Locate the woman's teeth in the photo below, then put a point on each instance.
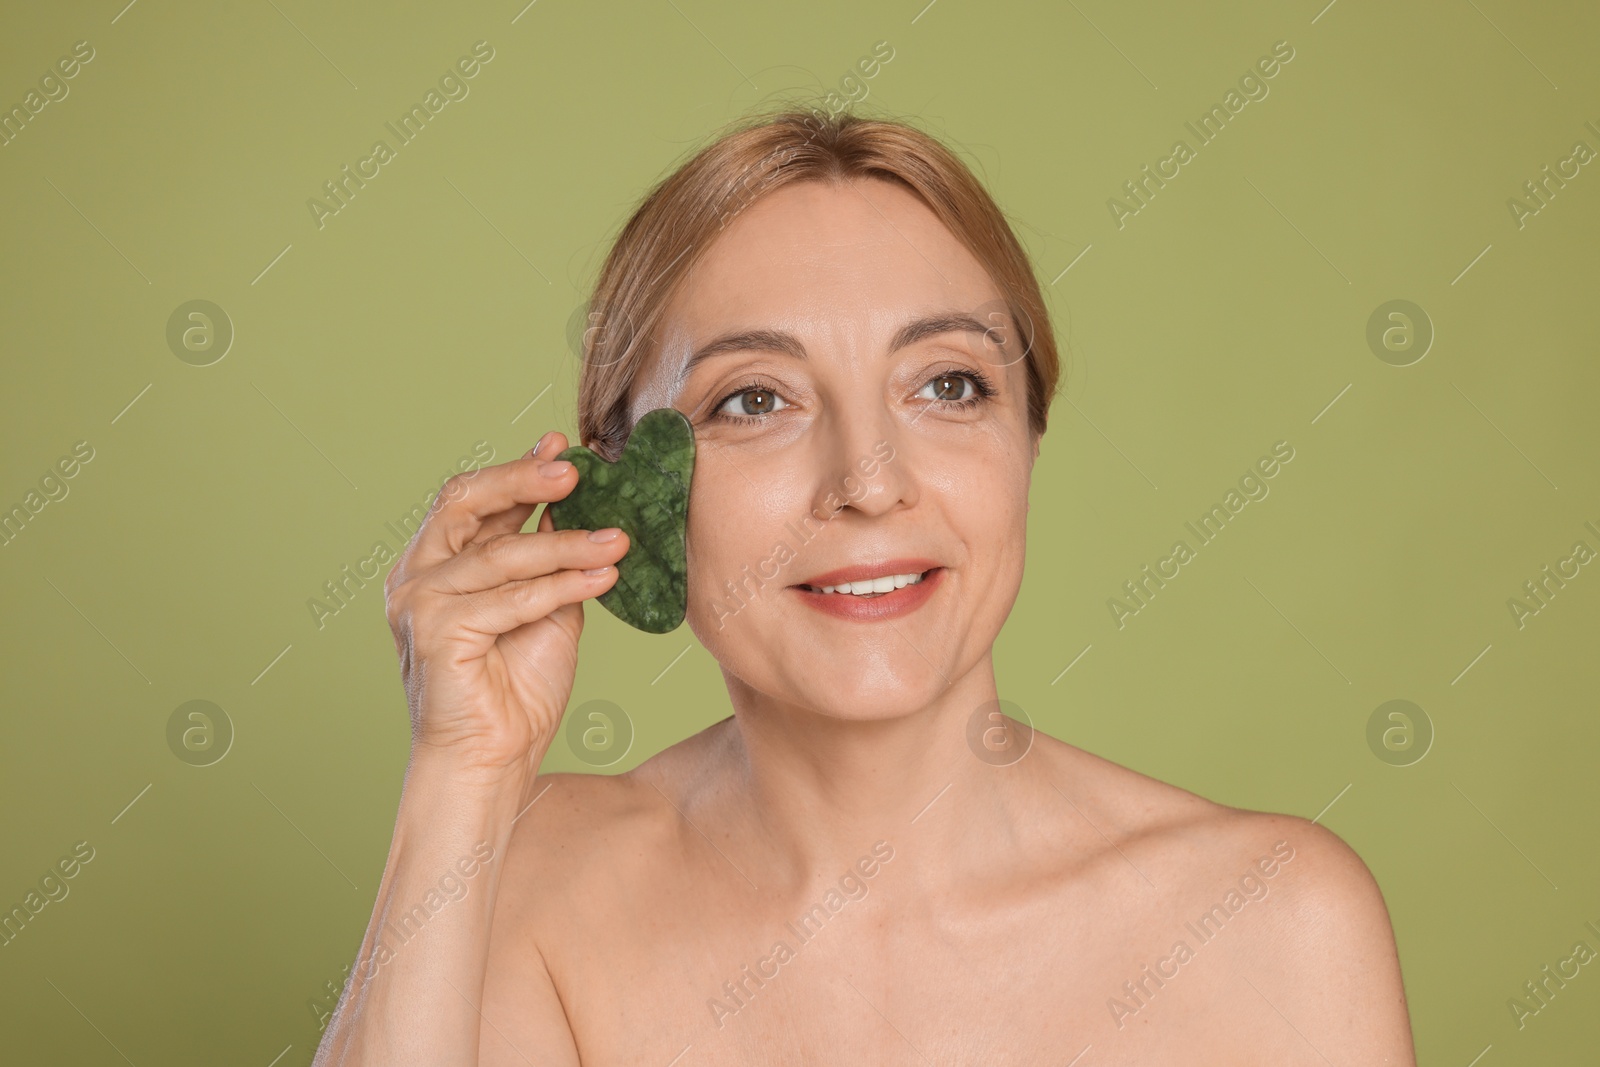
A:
(869, 586)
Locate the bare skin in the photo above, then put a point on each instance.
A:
(832, 874)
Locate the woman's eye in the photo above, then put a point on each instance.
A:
(751, 402)
(948, 387)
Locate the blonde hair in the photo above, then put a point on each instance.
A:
(682, 215)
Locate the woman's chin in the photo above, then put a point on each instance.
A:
(866, 699)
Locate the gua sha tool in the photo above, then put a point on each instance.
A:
(646, 494)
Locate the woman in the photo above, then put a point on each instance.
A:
(865, 863)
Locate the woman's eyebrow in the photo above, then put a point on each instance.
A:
(788, 344)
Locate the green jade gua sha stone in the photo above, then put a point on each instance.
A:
(646, 494)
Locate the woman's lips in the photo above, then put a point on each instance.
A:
(873, 607)
(861, 571)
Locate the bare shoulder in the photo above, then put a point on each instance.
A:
(1326, 970)
(1195, 838)
(1325, 903)
(584, 849)
(580, 832)
(1312, 964)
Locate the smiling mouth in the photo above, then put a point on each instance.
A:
(869, 588)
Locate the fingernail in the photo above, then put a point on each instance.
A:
(534, 451)
(602, 536)
(555, 469)
(597, 572)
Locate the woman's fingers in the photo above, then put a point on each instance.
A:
(514, 518)
(492, 612)
(497, 499)
(511, 557)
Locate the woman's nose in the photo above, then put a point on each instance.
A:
(868, 470)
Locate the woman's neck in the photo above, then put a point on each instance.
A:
(816, 791)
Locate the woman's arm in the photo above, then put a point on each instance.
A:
(1331, 990)
(414, 991)
(486, 622)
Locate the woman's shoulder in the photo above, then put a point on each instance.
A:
(1306, 894)
(577, 825)
(1322, 889)
(1148, 811)
(1291, 915)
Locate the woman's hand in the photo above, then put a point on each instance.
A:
(486, 618)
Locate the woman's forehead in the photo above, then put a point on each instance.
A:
(843, 265)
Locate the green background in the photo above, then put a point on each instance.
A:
(435, 312)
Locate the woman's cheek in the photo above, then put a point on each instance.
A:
(986, 494)
(729, 535)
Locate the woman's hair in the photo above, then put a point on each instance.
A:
(681, 217)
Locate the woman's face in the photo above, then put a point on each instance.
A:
(830, 439)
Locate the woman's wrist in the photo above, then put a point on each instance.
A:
(432, 917)
(449, 777)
